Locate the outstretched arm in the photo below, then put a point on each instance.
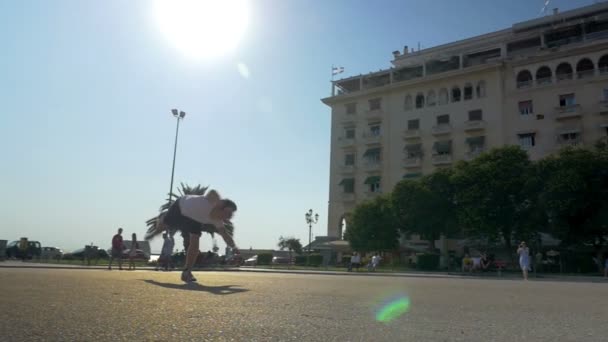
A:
(226, 236)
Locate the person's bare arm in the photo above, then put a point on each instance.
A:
(227, 238)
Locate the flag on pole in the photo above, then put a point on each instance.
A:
(337, 70)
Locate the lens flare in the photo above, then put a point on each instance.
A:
(393, 309)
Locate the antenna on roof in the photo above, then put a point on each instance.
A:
(543, 10)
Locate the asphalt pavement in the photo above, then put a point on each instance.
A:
(101, 305)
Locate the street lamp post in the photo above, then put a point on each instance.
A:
(311, 218)
(179, 115)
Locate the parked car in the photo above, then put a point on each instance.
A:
(139, 255)
(252, 261)
(280, 261)
(80, 254)
(16, 249)
(51, 253)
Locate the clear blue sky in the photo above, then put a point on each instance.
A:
(86, 89)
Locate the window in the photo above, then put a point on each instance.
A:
(570, 137)
(563, 72)
(374, 187)
(455, 94)
(443, 147)
(374, 130)
(525, 108)
(443, 96)
(544, 75)
(431, 98)
(413, 151)
(413, 125)
(524, 79)
(348, 185)
(567, 100)
(468, 91)
(475, 115)
(419, 100)
(351, 108)
(585, 68)
(605, 94)
(375, 104)
(476, 144)
(602, 64)
(527, 140)
(349, 133)
(373, 182)
(481, 89)
(372, 156)
(443, 119)
(407, 105)
(349, 159)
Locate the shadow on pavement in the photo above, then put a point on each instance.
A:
(218, 290)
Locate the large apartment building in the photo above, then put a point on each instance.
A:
(541, 84)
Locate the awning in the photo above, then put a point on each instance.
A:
(347, 181)
(372, 151)
(413, 148)
(412, 175)
(443, 146)
(372, 180)
(476, 140)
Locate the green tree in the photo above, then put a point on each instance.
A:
(574, 194)
(291, 244)
(493, 194)
(426, 207)
(373, 226)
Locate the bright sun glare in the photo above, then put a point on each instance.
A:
(203, 28)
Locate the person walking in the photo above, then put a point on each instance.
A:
(524, 259)
(117, 249)
(133, 251)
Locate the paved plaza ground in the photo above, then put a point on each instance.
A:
(100, 305)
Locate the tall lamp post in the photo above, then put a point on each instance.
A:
(179, 115)
(311, 218)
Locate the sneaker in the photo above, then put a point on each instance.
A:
(192, 277)
(186, 276)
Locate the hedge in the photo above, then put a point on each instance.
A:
(428, 262)
(264, 258)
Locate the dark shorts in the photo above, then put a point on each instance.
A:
(116, 253)
(176, 220)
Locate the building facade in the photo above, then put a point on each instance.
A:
(541, 84)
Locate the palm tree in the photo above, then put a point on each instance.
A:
(155, 227)
(291, 244)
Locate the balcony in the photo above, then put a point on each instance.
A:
(374, 114)
(411, 134)
(585, 74)
(474, 125)
(347, 196)
(524, 84)
(571, 142)
(442, 159)
(347, 168)
(372, 166)
(412, 162)
(372, 194)
(474, 153)
(564, 77)
(372, 138)
(567, 112)
(346, 142)
(441, 129)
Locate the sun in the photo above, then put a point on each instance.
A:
(203, 28)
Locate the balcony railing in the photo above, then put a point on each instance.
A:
(440, 159)
(571, 142)
(347, 168)
(372, 166)
(474, 153)
(441, 129)
(372, 137)
(411, 134)
(544, 80)
(348, 196)
(412, 162)
(374, 113)
(344, 141)
(474, 125)
(564, 77)
(524, 84)
(569, 111)
(585, 74)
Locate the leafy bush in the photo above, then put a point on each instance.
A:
(264, 258)
(301, 260)
(428, 262)
(315, 260)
